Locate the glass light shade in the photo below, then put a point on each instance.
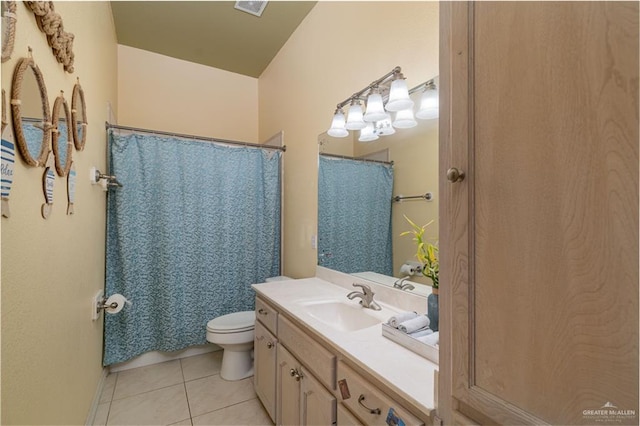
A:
(368, 134)
(354, 118)
(375, 109)
(384, 127)
(398, 96)
(404, 119)
(337, 129)
(429, 107)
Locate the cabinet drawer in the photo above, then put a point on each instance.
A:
(318, 360)
(266, 315)
(363, 397)
(345, 418)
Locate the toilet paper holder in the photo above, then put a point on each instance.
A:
(102, 304)
(111, 306)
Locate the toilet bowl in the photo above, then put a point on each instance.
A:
(234, 334)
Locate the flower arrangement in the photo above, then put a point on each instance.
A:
(426, 253)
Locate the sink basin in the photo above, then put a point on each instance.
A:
(342, 316)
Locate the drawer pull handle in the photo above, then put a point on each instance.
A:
(371, 410)
(262, 311)
(295, 373)
(269, 345)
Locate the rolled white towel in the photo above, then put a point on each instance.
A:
(431, 339)
(420, 333)
(395, 320)
(414, 324)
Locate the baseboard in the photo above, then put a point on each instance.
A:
(157, 357)
(96, 397)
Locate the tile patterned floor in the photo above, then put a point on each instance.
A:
(188, 391)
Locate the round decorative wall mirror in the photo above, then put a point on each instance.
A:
(31, 113)
(61, 135)
(4, 111)
(79, 117)
(9, 19)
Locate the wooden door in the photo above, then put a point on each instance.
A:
(288, 388)
(265, 368)
(539, 241)
(317, 405)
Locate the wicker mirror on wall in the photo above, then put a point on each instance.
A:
(78, 117)
(9, 19)
(30, 112)
(61, 135)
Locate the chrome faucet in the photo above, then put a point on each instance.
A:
(366, 297)
(402, 285)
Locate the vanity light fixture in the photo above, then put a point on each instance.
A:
(392, 89)
(337, 129)
(404, 119)
(368, 134)
(375, 108)
(429, 107)
(398, 94)
(355, 120)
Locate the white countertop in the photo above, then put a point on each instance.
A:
(408, 374)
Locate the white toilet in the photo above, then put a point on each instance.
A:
(234, 334)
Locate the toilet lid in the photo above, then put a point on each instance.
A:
(239, 321)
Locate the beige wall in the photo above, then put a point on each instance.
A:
(51, 269)
(162, 93)
(338, 49)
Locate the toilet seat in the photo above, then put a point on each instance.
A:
(236, 322)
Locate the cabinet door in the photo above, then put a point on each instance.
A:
(539, 241)
(264, 378)
(288, 385)
(318, 405)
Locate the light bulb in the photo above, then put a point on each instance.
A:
(354, 118)
(429, 107)
(337, 129)
(398, 96)
(404, 119)
(384, 127)
(375, 108)
(368, 134)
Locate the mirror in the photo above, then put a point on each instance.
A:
(61, 136)
(78, 117)
(31, 114)
(413, 153)
(9, 19)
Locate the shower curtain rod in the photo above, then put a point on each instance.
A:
(366, 160)
(201, 138)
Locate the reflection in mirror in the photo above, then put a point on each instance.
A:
(79, 117)
(414, 179)
(61, 136)
(31, 114)
(354, 232)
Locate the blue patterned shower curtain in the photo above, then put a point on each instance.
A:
(354, 216)
(194, 225)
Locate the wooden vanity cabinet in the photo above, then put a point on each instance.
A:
(539, 249)
(264, 369)
(300, 388)
(368, 403)
(301, 398)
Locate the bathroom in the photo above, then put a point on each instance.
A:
(52, 268)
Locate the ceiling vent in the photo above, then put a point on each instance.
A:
(253, 7)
